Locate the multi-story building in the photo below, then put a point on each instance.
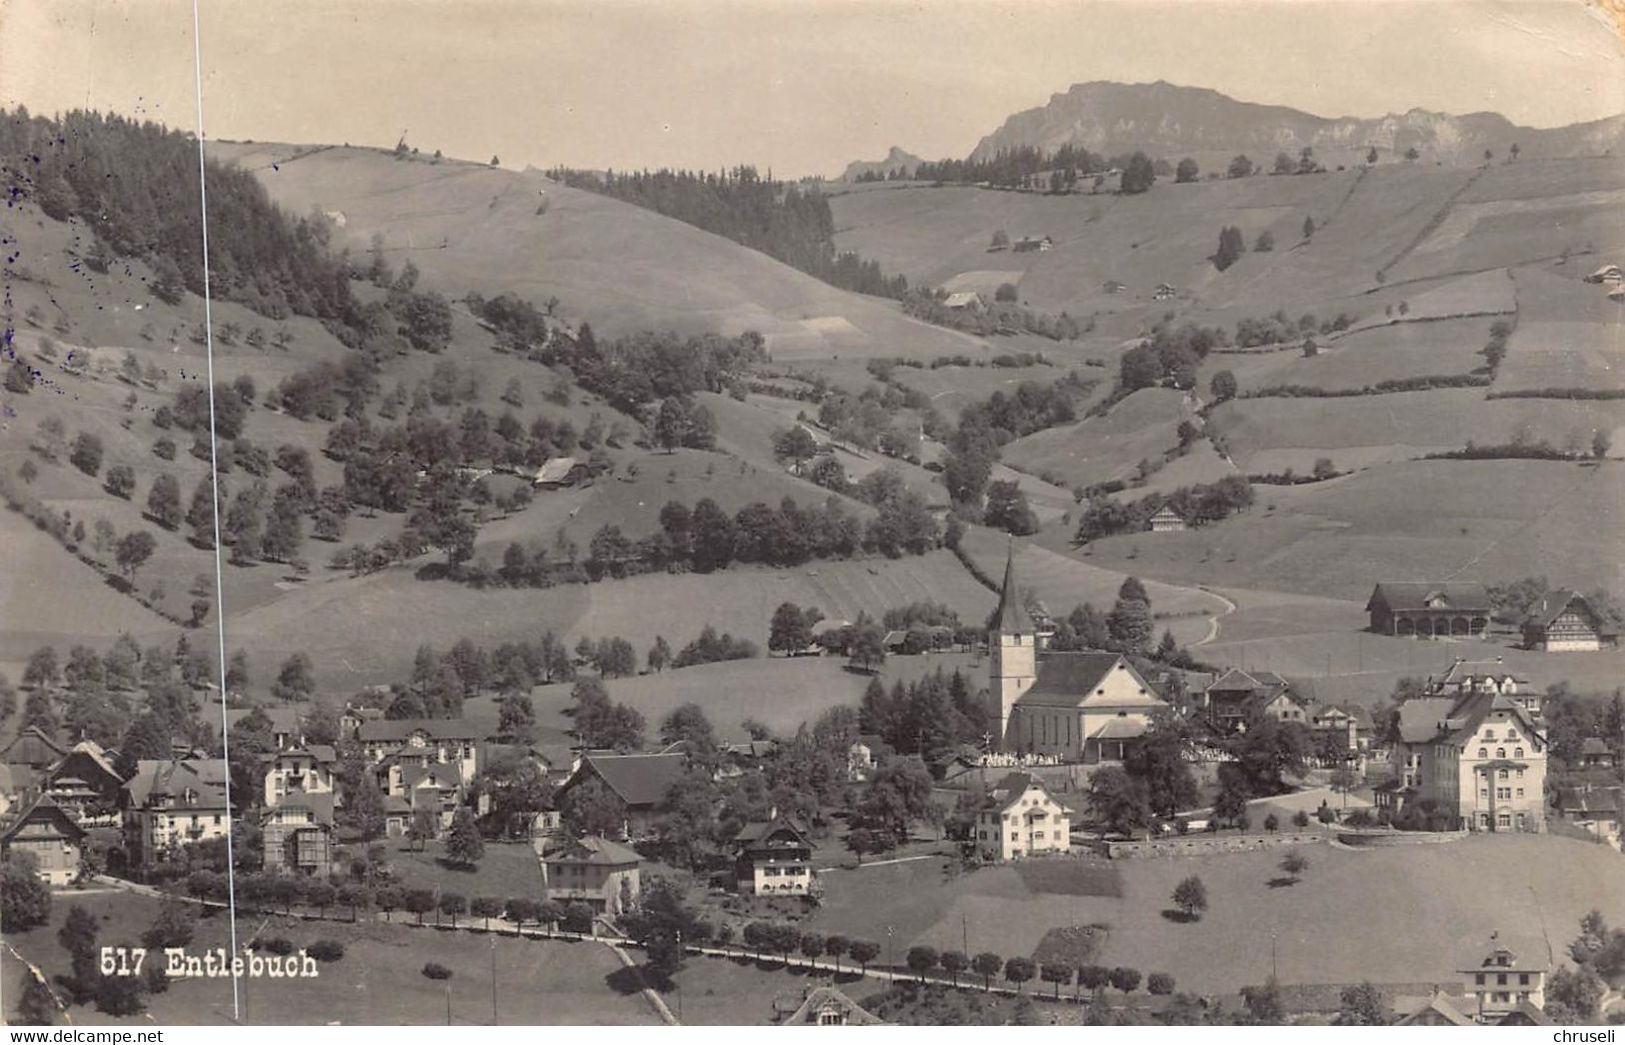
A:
(1503, 983)
(1022, 819)
(591, 870)
(170, 803)
(1237, 697)
(298, 833)
(639, 782)
(298, 772)
(1484, 768)
(774, 859)
(423, 742)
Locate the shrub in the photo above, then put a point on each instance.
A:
(436, 971)
(326, 950)
(279, 945)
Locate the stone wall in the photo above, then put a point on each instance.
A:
(1203, 844)
(1381, 839)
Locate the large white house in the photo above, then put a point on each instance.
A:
(1021, 818)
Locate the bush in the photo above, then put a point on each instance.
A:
(279, 945)
(326, 950)
(436, 971)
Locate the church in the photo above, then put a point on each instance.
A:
(1081, 707)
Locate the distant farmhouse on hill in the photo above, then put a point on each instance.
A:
(1424, 610)
(1563, 621)
(1166, 521)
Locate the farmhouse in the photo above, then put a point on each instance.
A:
(1021, 819)
(51, 835)
(1082, 707)
(639, 781)
(1437, 1011)
(34, 748)
(962, 300)
(1429, 610)
(1594, 754)
(1564, 621)
(593, 871)
(774, 858)
(170, 803)
(1595, 809)
(84, 783)
(1166, 520)
(560, 471)
(1030, 243)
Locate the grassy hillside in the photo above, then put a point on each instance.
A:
(473, 227)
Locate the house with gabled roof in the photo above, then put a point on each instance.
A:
(1166, 520)
(773, 857)
(1020, 819)
(1484, 768)
(1236, 697)
(1564, 621)
(298, 834)
(1593, 808)
(1429, 610)
(560, 471)
(33, 747)
(595, 871)
(84, 783)
(1502, 983)
(424, 741)
(48, 833)
(639, 781)
(1465, 677)
(826, 1006)
(170, 803)
(961, 300)
(1440, 1010)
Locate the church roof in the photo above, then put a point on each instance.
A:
(1012, 618)
(1074, 679)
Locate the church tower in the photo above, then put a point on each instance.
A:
(1012, 643)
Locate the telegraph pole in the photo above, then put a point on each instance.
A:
(493, 981)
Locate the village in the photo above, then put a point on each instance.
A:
(1091, 768)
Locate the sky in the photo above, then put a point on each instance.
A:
(798, 86)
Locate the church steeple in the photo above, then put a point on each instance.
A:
(1012, 643)
(1011, 618)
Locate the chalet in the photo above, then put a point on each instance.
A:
(829, 1007)
(298, 834)
(1081, 707)
(560, 471)
(354, 716)
(1031, 243)
(424, 741)
(1500, 983)
(1340, 724)
(591, 870)
(1594, 754)
(1564, 621)
(287, 726)
(963, 300)
(84, 783)
(33, 747)
(297, 772)
(50, 834)
(170, 803)
(434, 789)
(1022, 819)
(1166, 520)
(1429, 610)
(1237, 696)
(1595, 809)
(639, 781)
(773, 858)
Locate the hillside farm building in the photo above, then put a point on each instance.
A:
(1028, 243)
(1166, 521)
(1427, 611)
(963, 300)
(1564, 622)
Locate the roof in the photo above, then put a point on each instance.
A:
(318, 802)
(1166, 512)
(1236, 680)
(1009, 790)
(1419, 718)
(383, 730)
(1011, 617)
(1406, 595)
(1501, 958)
(961, 298)
(44, 811)
(557, 469)
(1593, 746)
(1471, 710)
(87, 760)
(592, 850)
(1524, 1014)
(1586, 800)
(822, 999)
(284, 719)
(32, 747)
(638, 780)
(1437, 1011)
(441, 775)
(1073, 679)
(1119, 729)
(761, 832)
(203, 778)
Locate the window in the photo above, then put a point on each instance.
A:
(1520, 774)
(1489, 734)
(1501, 979)
(1480, 979)
(1518, 753)
(1520, 792)
(1500, 752)
(1523, 979)
(1483, 792)
(1501, 774)
(1483, 752)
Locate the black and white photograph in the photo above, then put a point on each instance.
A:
(731, 513)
